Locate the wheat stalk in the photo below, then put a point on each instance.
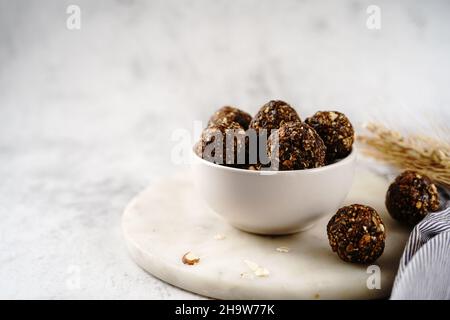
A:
(422, 154)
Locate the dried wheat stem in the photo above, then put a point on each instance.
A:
(422, 154)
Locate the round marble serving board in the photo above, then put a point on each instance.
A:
(168, 219)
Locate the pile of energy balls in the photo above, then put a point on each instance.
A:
(357, 233)
(275, 138)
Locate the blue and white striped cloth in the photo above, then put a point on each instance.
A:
(424, 271)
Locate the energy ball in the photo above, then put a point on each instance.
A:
(411, 197)
(298, 147)
(336, 132)
(357, 234)
(213, 144)
(229, 114)
(273, 115)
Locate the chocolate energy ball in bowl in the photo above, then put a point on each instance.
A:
(220, 137)
(229, 114)
(272, 115)
(336, 132)
(273, 202)
(411, 197)
(296, 146)
(357, 234)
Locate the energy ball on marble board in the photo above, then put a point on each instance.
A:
(411, 197)
(215, 151)
(357, 234)
(336, 132)
(297, 146)
(229, 114)
(272, 115)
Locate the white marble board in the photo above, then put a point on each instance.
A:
(168, 219)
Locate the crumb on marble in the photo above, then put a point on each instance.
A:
(252, 265)
(261, 272)
(256, 269)
(246, 275)
(283, 249)
(219, 236)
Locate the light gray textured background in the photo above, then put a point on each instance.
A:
(86, 116)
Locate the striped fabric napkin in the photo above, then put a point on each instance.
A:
(424, 271)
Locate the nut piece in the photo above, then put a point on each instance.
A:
(411, 197)
(297, 146)
(273, 115)
(336, 132)
(357, 234)
(190, 259)
(229, 114)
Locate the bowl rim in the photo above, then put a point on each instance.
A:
(341, 162)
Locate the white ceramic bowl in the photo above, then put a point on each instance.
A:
(275, 202)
